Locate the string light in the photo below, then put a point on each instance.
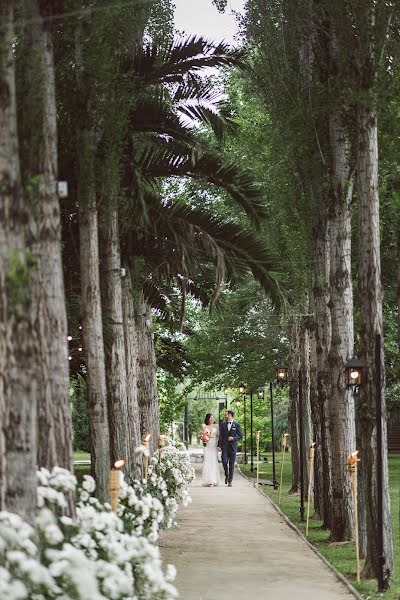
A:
(80, 349)
(69, 338)
(69, 357)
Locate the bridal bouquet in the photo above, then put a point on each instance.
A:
(205, 436)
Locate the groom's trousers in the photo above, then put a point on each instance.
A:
(228, 461)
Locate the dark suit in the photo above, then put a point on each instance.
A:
(229, 449)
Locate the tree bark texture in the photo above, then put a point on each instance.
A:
(114, 336)
(370, 294)
(131, 357)
(322, 332)
(293, 403)
(38, 121)
(18, 383)
(147, 374)
(90, 285)
(341, 400)
(305, 377)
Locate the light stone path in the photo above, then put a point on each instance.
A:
(232, 544)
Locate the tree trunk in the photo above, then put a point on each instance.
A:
(341, 400)
(114, 342)
(90, 285)
(317, 492)
(370, 293)
(293, 404)
(147, 374)
(93, 344)
(38, 112)
(131, 356)
(18, 383)
(305, 377)
(322, 329)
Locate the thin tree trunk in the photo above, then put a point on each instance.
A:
(90, 284)
(147, 374)
(322, 328)
(370, 293)
(341, 400)
(306, 412)
(39, 113)
(293, 403)
(317, 493)
(18, 385)
(131, 356)
(115, 342)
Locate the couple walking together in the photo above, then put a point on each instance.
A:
(223, 438)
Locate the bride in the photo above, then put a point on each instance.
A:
(210, 474)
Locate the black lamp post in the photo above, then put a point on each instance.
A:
(282, 377)
(251, 432)
(242, 390)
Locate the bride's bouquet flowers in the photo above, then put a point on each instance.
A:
(205, 436)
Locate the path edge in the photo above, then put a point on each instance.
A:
(292, 526)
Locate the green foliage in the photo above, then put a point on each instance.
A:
(19, 268)
(80, 420)
(171, 400)
(242, 340)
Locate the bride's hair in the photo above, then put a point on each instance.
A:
(207, 418)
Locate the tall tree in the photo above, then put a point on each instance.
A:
(39, 157)
(18, 381)
(371, 32)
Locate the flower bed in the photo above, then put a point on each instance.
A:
(98, 555)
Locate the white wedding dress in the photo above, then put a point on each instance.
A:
(210, 474)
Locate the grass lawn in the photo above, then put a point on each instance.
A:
(81, 470)
(341, 556)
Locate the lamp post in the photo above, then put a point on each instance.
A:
(251, 432)
(301, 436)
(242, 390)
(282, 374)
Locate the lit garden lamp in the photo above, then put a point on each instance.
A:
(353, 374)
(282, 376)
(242, 390)
(226, 391)
(146, 455)
(114, 484)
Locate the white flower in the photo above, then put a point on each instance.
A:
(89, 484)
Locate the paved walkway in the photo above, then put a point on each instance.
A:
(231, 543)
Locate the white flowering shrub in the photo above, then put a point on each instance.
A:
(89, 557)
(152, 503)
(173, 465)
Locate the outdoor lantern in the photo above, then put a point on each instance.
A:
(260, 392)
(242, 388)
(282, 374)
(238, 403)
(353, 373)
(226, 391)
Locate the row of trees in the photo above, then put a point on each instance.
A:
(321, 72)
(106, 99)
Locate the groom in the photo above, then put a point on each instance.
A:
(229, 434)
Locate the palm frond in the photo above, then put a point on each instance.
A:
(155, 63)
(207, 167)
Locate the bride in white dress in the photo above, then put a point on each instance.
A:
(210, 474)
